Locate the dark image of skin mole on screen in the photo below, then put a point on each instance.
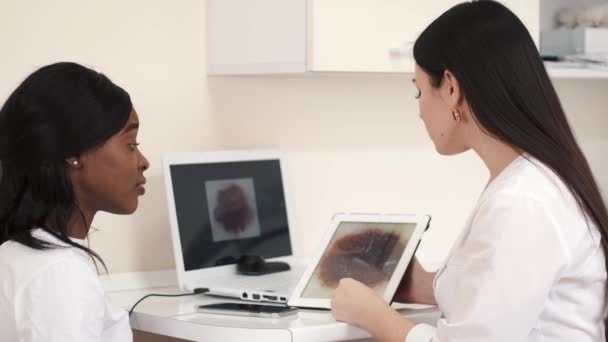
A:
(229, 209)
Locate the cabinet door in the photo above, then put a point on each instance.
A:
(378, 35)
(256, 36)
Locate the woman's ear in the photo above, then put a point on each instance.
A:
(451, 89)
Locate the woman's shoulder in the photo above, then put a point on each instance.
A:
(530, 181)
(540, 203)
(42, 285)
(21, 265)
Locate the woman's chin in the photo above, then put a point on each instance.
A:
(125, 208)
(449, 150)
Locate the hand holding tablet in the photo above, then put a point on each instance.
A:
(372, 249)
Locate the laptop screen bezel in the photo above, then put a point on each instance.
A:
(187, 278)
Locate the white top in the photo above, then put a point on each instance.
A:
(526, 267)
(55, 296)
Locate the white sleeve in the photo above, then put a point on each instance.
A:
(500, 278)
(62, 303)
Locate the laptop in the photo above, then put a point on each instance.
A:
(224, 205)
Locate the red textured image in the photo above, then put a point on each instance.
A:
(232, 210)
(369, 256)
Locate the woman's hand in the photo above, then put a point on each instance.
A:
(354, 303)
(416, 286)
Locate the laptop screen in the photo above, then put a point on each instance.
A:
(228, 209)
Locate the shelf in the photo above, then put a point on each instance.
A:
(563, 72)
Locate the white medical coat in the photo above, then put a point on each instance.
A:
(526, 267)
(55, 296)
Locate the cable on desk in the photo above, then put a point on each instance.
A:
(199, 290)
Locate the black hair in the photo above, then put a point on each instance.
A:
(60, 111)
(510, 94)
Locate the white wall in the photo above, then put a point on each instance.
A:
(355, 143)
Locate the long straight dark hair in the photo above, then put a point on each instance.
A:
(503, 78)
(60, 111)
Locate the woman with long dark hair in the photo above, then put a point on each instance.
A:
(68, 149)
(530, 263)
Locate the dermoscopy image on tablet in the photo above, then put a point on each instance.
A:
(367, 252)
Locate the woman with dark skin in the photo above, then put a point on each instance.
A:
(68, 149)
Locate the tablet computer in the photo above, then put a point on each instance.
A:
(371, 248)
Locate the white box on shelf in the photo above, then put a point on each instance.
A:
(580, 40)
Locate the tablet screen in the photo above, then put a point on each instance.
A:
(365, 251)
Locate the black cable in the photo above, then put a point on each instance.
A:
(199, 290)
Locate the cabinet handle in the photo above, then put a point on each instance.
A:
(400, 50)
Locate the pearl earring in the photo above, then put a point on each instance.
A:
(75, 162)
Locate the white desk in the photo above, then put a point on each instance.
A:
(177, 317)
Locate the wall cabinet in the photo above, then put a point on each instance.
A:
(308, 36)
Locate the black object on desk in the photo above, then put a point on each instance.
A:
(256, 265)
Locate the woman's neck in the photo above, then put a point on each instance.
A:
(80, 223)
(495, 154)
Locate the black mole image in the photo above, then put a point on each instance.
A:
(369, 256)
(232, 210)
